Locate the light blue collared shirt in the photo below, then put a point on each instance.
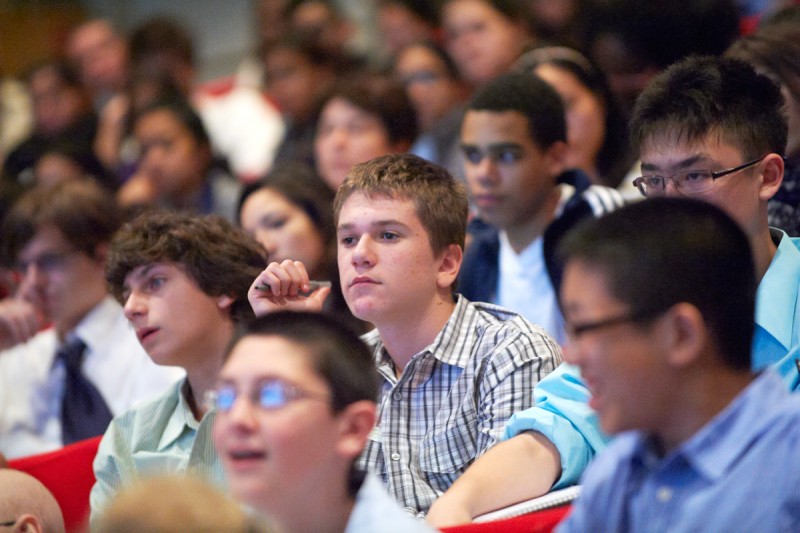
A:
(375, 510)
(562, 413)
(739, 472)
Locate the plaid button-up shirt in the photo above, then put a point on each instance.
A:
(453, 399)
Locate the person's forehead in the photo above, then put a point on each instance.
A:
(508, 123)
(394, 207)
(48, 238)
(670, 151)
(287, 360)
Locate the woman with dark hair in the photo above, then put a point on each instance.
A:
(175, 165)
(361, 118)
(290, 212)
(597, 132)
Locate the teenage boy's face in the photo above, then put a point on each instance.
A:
(509, 176)
(173, 318)
(738, 194)
(387, 267)
(63, 283)
(272, 455)
(620, 363)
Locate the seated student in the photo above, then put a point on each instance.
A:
(295, 406)
(26, 506)
(64, 383)
(452, 371)
(660, 327)
(719, 123)
(514, 142)
(182, 280)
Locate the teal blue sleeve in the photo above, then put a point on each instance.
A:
(562, 414)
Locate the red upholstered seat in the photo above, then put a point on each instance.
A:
(68, 474)
(536, 522)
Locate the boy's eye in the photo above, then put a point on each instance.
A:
(389, 236)
(506, 155)
(347, 241)
(473, 155)
(155, 283)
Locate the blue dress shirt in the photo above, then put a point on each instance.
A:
(739, 472)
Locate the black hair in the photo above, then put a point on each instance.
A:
(705, 94)
(530, 96)
(183, 112)
(660, 252)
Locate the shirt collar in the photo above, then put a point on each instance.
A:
(719, 444)
(180, 419)
(98, 324)
(777, 316)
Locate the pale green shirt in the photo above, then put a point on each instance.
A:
(159, 437)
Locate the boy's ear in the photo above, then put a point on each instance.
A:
(771, 176)
(686, 335)
(450, 265)
(225, 301)
(355, 424)
(555, 155)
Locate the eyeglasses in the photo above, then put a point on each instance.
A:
(688, 182)
(47, 262)
(268, 395)
(574, 331)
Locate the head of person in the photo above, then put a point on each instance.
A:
(431, 80)
(181, 277)
(192, 506)
(57, 240)
(174, 148)
(402, 22)
(401, 224)
(26, 506)
(597, 131)
(322, 22)
(162, 46)
(774, 50)
(63, 160)
(100, 54)
(626, 37)
(655, 295)
(58, 96)
(295, 404)
(361, 118)
(714, 129)
(484, 37)
(297, 73)
(514, 140)
(290, 213)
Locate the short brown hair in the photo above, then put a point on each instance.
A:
(221, 258)
(85, 213)
(440, 201)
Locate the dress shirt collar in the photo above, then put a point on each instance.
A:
(180, 419)
(777, 316)
(716, 447)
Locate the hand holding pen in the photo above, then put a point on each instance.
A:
(286, 286)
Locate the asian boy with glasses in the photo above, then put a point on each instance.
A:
(708, 128)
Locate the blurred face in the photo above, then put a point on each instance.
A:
(738, 194)
(172, 158)
(510, 178)
(294, 82)
(53, 168)
(62, 282)
(399, 26)
(173, 318)
(101, 56)
(272, 455)
(429, 86)
(347, 135)
(480, 39)
(56, 105)
(585, 117)
(793, 118)
(387, 267)
(620, 363)
(284, 229)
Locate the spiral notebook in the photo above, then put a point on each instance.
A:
(549, 500)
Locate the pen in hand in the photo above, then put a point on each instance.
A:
(312, 286)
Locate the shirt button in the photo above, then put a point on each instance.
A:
(395, 456)
(396, 396)
(664, 494)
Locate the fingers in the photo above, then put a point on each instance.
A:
(285, 286)
(19, 321)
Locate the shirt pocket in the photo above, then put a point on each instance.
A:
(445, 453)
